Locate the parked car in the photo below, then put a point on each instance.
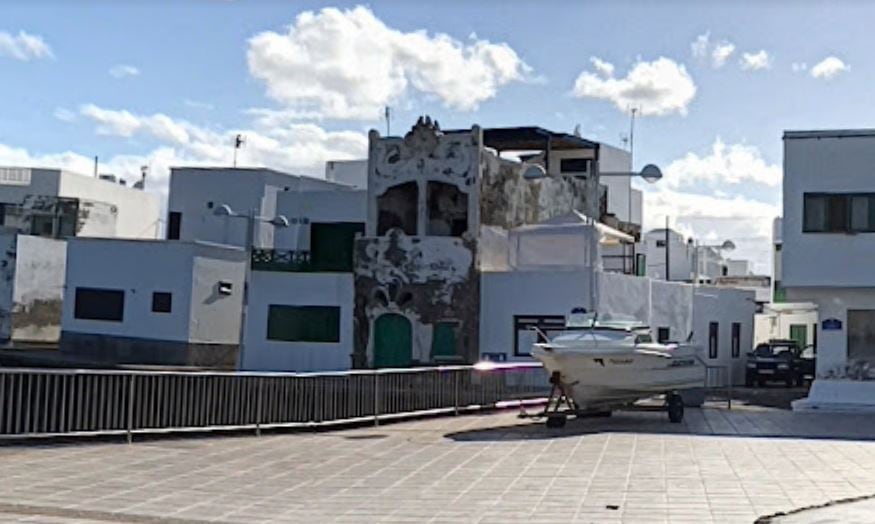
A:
(779, 360)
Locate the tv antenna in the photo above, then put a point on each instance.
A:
(387, 114)
(239, 140)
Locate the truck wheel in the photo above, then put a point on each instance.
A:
(675, 408)
(556, 422)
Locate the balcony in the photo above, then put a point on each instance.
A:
(294, 261)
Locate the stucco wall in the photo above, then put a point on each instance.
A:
(829, 165)
(215, 317)
(304, 208)
(40, 270)
(297, 289)
(137, 212)
(139, 268)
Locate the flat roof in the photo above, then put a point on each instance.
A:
(829, 133)
(530, 138)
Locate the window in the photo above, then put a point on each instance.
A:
(662, 335)
(525, 336)
(447, 210)
(838, 212)
(713, 329)
(162, 302)
(736, 339)
(174, 222)
(397, 209)
(99, 304)
(303, 323)
(574, 165)
(660, 243)
(861, 335)
(332, 245)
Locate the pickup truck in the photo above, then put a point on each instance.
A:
(779, 360)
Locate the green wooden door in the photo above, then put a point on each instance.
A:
(799, 333)
(443, 341)
(392, 341)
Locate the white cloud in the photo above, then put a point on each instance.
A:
(348, 64)
(756, 61)
(699, 47)
(724, 164)
(721, 53)
(660, 87)
(798, 67)
(123, 70)
(829, 67)
(24, 46)
(197, 104)
(64, 115)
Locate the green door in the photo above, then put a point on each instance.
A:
(392, 341)
(799, 333)
(443, 341)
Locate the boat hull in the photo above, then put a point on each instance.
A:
(612, 377)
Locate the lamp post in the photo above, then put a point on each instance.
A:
(650, 173)
(251, 218)
(727, 245)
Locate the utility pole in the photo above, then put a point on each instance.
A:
(633, 110)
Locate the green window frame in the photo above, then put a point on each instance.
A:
(303, 323)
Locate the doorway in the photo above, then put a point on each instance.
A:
(393, 338)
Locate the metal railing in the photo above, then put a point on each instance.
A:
(59, 402)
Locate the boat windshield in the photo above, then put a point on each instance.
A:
(603, 320)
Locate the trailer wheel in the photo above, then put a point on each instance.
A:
(675, 408)
(556, 422)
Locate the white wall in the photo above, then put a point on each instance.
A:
(215, 317)
(775, 322)
(829, 165)
(138, 213)
(297, 289)
(351, 172)
(316, 206)
(724, 306)
(196, 192)
(139, 268)
(680, 253)
(505, 294)
(39, 288)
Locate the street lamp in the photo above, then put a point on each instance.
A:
(278, 221)
(650, 173)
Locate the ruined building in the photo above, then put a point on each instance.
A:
(434, 199)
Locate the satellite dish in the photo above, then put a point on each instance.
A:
(533, 171)
(651, 173)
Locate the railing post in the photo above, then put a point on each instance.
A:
(258, 389)
(456, 393)
(376, 398)
(131, 390)
(729, 398)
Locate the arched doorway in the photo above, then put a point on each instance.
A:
(393, 337)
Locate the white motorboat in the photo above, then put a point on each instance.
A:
(603, 363)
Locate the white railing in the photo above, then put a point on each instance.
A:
(61, 402)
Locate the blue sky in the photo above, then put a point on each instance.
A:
(164, 83)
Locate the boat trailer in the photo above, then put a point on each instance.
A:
(560, 405)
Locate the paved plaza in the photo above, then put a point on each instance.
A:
(718, 466)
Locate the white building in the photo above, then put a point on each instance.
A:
(680, 255)
(793, 321)
(300, 314)
(196, 192)
(828, 220)
(153, 302)
(61, 204)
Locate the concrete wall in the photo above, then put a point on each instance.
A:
(196, 192)
(831, 165)
(505, 294)
(304, 208)
(351, 172)
(7, 280)
(138, 268)
(137, 213)
(215, 317)
(297, 289)
(40, 270)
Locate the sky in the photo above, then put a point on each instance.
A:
(714, 85)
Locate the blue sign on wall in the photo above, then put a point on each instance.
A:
(831, 324)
